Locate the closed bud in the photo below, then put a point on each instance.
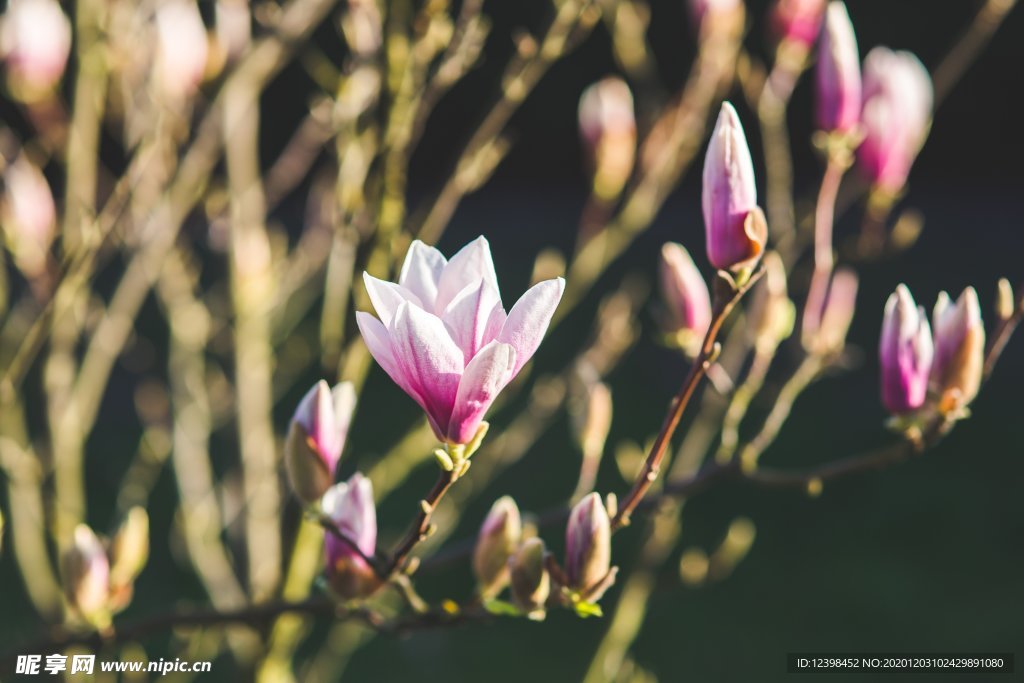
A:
(608, 131)
(588, 545)
(838, 73)
(86, 575)
(895, 115)
(687, 302)
(316, 438)
(349, 506)
(499, 535)
(825, 327)
(959, 349)
(129, 548)
(734, 225)
(905, 353)
(1004, 299)
(771, 312)
(28, 215)
(35, 40)
(797, 21)
(530, 582)
(182, 49)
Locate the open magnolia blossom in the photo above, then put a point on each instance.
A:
(444, 337)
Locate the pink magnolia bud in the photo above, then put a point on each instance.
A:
(959, 349)
(798, 20)
(687, 302)
(316, 438)
(182, 49)
(443, 335)
(734, 225)
(896, 115)
(905, 351)
(349, 505)
(825, 328)
(588, 546)
(530, 581)
(608, 131)
(499, 536)
(35, 39)
(28, 215)
(86, 576)
(838, 73)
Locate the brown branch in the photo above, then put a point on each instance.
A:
(421, 527)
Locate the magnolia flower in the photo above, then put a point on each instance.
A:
(444, 337)
(349, 506)
(28, 214)
(896, 115)
(35, 39)
(838, 73)
(588, 545)
(608, 131)
(959, 348)
(687, 302)
(316, 438)
(735, 227)
(86, 576)
(905, 351)
(498, 538)
(798, 20)
(182, 49)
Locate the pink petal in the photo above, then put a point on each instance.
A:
(386, 297)
(378, 341)
(421, 273)
(429, 358)
(529, 318)
(470, 315)
(485, 376)
(472, 264)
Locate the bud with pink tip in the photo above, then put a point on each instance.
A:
(825, 325)
(28, 215)
(588, 545)
(687, 302)
(86, 575)
(896, 115)
(349, 506)
(959, 349)
(838, 73)
(530, 582)
(35, 40)
(905, 351)
(608, 131)
(498, 538)
(182, 49)
(797, 21)
(735, 226)
(316, 438)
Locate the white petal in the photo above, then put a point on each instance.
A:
(529, 318)
(468, 315)
(387, 296)
(485, 376)
(421, 272)
(472, 264)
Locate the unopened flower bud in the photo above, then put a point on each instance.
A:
(86, 574)
(499, 536)
(608, 131)
(825, 328)
(905, 353)
(28, 215)
(530, 582)
(588, 546)
(182, 49)
(35, 39)
(316, 438)
(797, 21)
(959, 349)
(735, 226)
(687, 302)
(771, 311)
(838, 73)
(896, 115)
(349, 506)
(129, 548)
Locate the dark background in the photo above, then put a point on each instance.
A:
(924, 557)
